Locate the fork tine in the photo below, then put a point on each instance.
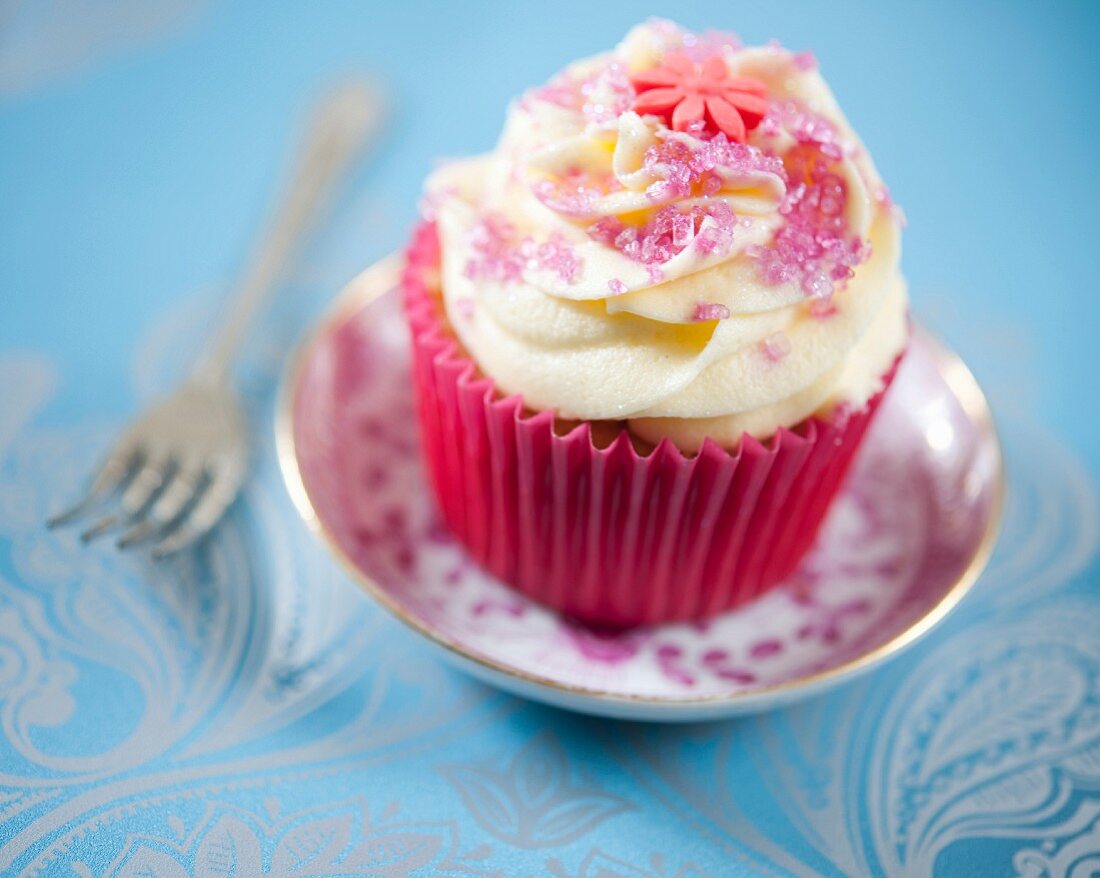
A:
(181, 493)
(216, 497)
(151, 477)
(113, 474)
(139, 533)
(180, 538)
(102, 525)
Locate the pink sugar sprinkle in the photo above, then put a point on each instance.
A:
(465, 308)
(496, 257)
(805, 61)
(717, 238)
(713, 311)
(576, 192)
(501, 255)
(680, 165)
(668, 232)
(601, 96)
(804, 126)
(776, 346)
(822, 309)
(616, 286)
(608, 93)
(572, 201)
(699, 47)
(556, 255)
(813, 247)
(605, 229)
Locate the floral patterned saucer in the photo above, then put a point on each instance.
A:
(906, 539)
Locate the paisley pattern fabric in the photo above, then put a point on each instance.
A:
(245, 710)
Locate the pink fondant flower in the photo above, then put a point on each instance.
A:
(683, 92)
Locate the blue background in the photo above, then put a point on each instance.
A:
(141, 145)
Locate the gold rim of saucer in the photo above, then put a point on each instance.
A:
(382, 278)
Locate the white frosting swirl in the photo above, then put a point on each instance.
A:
(608, 268)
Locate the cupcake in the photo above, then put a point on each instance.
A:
(651, 327)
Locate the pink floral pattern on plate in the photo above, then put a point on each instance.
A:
(904, 530)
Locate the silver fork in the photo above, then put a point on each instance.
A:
(178, 468)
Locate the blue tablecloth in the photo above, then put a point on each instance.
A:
(246, 708)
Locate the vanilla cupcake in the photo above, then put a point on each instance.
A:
(651, 327)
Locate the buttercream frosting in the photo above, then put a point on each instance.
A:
(609, 267)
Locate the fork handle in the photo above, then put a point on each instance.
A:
(342, 125)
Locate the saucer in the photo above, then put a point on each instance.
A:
(906, 538)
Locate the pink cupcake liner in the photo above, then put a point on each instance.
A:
(608, 535)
